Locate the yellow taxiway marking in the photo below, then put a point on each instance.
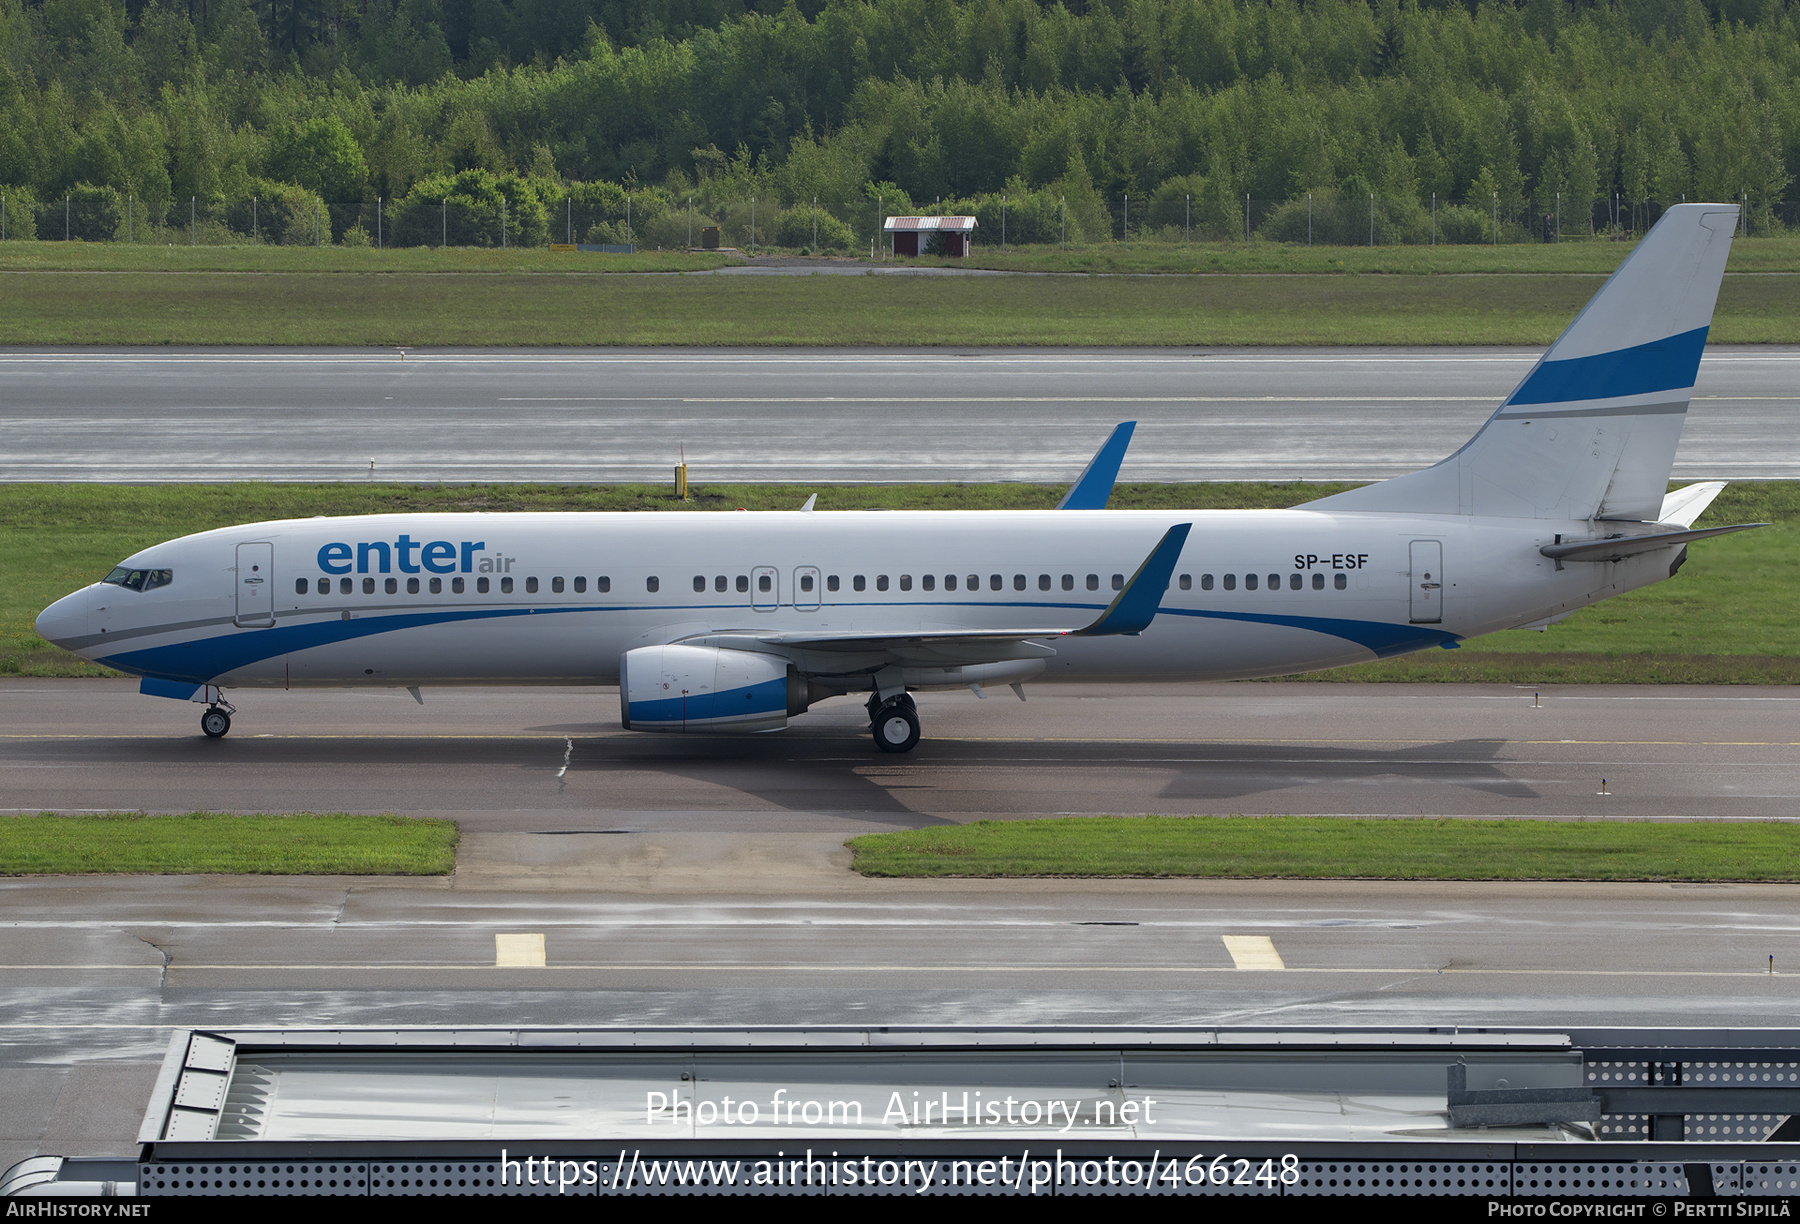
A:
(1253, 952)
(518, 951)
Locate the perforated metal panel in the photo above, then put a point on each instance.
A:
(186, 1180)
(1598, 1180)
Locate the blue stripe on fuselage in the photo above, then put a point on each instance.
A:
(1662, 365)
(206, 659)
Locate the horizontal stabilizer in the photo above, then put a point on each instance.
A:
(1683, 506)
(1094, 487)
(1618, 548)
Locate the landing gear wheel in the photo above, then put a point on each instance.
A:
(215, 722)
(896, 727)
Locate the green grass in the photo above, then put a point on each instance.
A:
(210, 843)
(1772, 254)
(1599, 256)
(1725, 619)
(544, 308)
(121, 257)
(1329, 847)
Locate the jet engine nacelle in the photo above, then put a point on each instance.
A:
(700, 689)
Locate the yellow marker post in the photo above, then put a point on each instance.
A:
(681, 486)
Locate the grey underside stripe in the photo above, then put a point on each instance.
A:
(358, 610)
(1535, 411)
(95, 639)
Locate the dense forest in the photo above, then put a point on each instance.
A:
(190, 108)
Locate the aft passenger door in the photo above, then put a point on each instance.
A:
(256, 585)
(765, 588)
(1427, 582)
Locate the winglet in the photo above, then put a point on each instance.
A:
(1132, 610)
(1094, 487)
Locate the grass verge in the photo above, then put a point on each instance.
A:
(510, 308)
(1336, 848)
(1725, 619)
(208, 843)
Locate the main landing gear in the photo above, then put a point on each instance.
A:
(895, 723)
(217, 719)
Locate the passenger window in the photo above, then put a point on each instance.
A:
(1043, 582)
(859, 583)
(506, 585)
(302, 586)
(437, 586)
(928, 583)
(603, 584)
(763, 583)
(974, 582)
(580, 585)
(1018, 582)
(1206, 582)
(653, 584)
(456, 586)
(556, 585)
(719, 583)
(1318, 582)
(1249, 582)
(1068, 582)
(481, 586)
(368, 586)
(831, 583)
(699, 584)
(531, 586)
(1340, 581)
(392, 586)
(881, 582)
(806, 583)
(1187, 582)
(412, 586)
(906, 582)
(1274, 582)
(743, 584)
(1118, 582)
(1231, 582)
(1093, 582)
(1293, 582)
(344, 586)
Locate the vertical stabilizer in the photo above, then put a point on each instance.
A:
(1591, 431)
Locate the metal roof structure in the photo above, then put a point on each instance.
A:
(948, 225)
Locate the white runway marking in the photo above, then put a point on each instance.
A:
(1253, 952)
(519, 951)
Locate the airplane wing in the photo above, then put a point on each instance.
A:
(1093, 488)
(1130, 613)
(1616, 548)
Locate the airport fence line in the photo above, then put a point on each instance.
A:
(754, 226)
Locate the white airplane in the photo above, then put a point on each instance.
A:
(738, 622)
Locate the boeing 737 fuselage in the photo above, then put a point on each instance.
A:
(737, 622)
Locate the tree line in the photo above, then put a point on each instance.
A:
(167, 108)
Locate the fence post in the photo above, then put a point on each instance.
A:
(1246, 220)
(628, 241)
(1187, 221)
(1003, 223)
(1125, 229)
(1062, 203)
(690, 223)
(752, 221)
(65, 218)
(130, 200)
(377, 223)
(1309, 218)
(502, 223)
(1496, 218)
(569, 221)
(253, 233)
(1434, 218)
(815, 227)
(190, 221)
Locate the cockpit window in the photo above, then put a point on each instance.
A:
(139, 579)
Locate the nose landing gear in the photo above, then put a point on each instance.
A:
(217, 719)
(894, 723)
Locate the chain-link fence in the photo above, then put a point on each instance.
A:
(614, 220)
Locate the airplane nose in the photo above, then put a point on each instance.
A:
(66, 619)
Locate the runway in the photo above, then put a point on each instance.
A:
(700, 881)
(889, 415)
